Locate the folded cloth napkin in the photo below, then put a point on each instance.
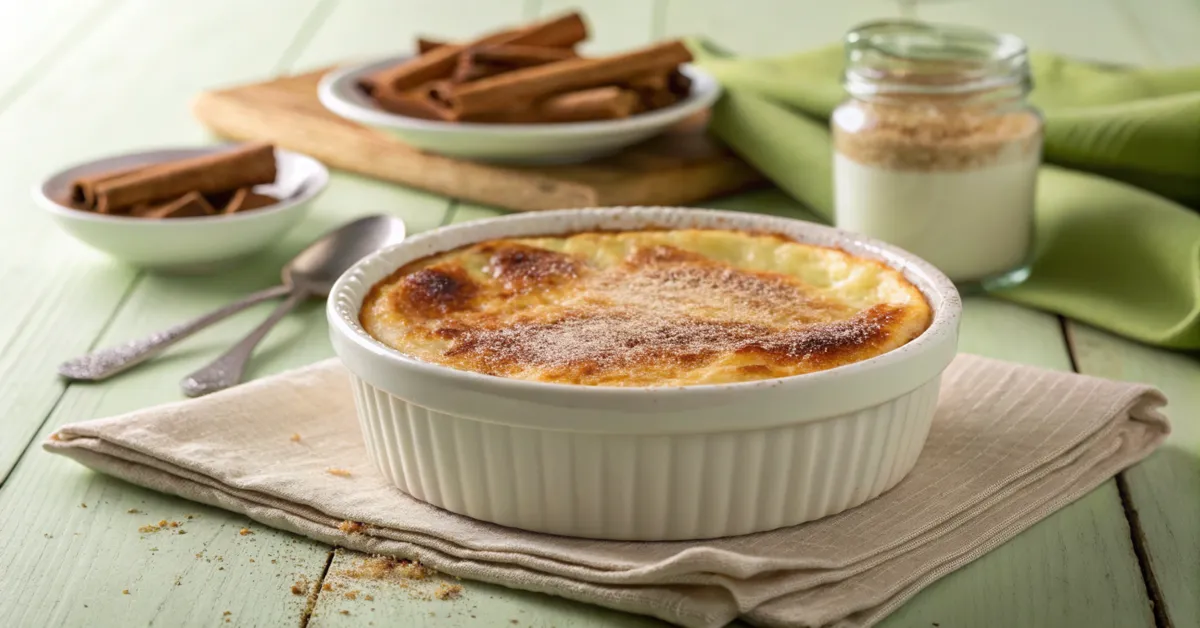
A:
(1009, 445)
(1110, 254)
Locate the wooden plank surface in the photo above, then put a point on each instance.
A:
(77, 576)
(72, 563)
(1162, 493)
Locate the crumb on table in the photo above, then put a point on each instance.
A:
(351, 527)
(295, 438)
(124, 591)
(341, 473)
(447, 591)
(245, 531)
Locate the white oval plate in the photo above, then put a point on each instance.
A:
(565, 142)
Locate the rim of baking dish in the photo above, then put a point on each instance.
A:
(877, 379)
(317, 183)
(338, 93)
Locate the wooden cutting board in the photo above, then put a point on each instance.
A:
(680, 167)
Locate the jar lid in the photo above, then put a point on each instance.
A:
(911, 57)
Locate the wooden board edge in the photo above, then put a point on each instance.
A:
(225, 113)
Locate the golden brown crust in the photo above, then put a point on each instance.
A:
(645, 308)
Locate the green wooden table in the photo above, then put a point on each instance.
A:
(84, 78)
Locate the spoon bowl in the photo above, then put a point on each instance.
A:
(315, 269)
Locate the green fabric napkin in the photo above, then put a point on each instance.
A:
(1110, 254)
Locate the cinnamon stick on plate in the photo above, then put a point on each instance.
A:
(597, 103)
(517, 56)
(498, 92)
(439, 63)
(474, 64)
(425, 45)
(244, 166)
(412, 104)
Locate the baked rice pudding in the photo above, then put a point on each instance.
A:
(645, 308)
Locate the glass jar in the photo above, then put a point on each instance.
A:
(936, 149)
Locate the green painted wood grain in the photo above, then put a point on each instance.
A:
(1073, 569)
(1164, 490)
(125, 84)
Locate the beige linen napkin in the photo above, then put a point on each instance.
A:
(1009, 445)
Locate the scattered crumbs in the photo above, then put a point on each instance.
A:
(251, 560)
(149, 528)
(183, 532)
(341, 473)
(344, 612)
(162, 524)
(245, 531)
(199, 554)
(351, 527)
(153, 549)
(272, 561)
(368, 597)
(386, 567)
(327, 587)
(191, 516)
(220, 569)
(82, 505)
(220, 559)
(174, 524)
(226, 614)
(448, 591)
(124, 591)
(133, 511)
(514, 621)
(351, 595)
(297, 589)
(178, 582)
(295, 438)
(48, 535)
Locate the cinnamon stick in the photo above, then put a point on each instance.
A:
(597, 103)
(244, 166)
(468, 69)
(189, 205)
(518, 56)
(83, 189)
(425, 45)
(244, 199)
(439, 63)
(498, 92)
(414, 104)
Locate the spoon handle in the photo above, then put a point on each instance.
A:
(105, 363)
(227, 370)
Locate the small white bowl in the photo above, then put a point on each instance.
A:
(643, 463)
(565, 142)
(201, 244)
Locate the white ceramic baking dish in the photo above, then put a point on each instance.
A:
(643, 463)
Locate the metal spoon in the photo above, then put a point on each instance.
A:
(310, 274)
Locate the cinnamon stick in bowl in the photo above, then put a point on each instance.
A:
(500, 91)
(244, 166)
(562, 31)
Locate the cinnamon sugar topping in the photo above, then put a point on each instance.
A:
(652, 314)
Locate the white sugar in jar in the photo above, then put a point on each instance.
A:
(936, 150)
